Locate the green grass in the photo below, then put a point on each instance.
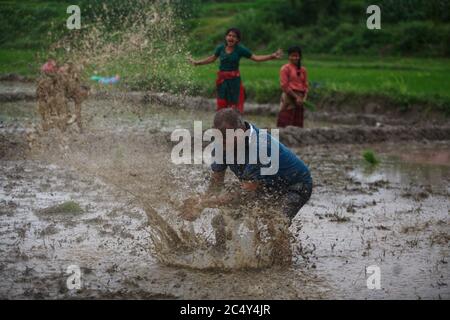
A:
(370, 157)
(402, 80)
(415, 77)
(214, 9)
(68, 207)
(27, 24)
(21, 61)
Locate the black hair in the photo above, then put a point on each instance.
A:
(297, 49)
(235, 30)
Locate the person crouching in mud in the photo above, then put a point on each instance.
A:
(288, 188)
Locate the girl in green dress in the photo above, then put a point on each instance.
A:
(230, 91)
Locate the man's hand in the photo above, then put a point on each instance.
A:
(249, 185)
(213, 189)
(216, 182)
(222, 199)
(191, 208)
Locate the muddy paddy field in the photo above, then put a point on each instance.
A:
(95, 199)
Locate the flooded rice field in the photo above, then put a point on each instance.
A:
(107, 202)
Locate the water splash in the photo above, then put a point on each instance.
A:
(146, 48)
(144, 42)
(225, 239)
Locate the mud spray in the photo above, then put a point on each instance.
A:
(223, 239)
(147, 46)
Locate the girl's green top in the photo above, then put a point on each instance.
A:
(230, 61)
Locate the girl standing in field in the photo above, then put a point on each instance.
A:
(230, 91)
(294, 83)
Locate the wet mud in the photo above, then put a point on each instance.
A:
(94, 200)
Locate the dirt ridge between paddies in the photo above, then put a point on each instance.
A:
(370, 114)
(322, 100)
(14, 141)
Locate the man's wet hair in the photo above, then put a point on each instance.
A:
(228, 118)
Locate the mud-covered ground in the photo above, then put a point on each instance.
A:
(394, 215)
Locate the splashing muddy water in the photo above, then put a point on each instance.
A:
(143, 42)
(128, 238)
(225, 239)
(395, 215)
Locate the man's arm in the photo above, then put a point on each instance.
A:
(216, 182)
(247, 188)
(193, 207)
(249, 185)
(211, 200)
(217, 178)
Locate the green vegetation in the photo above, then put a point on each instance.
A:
(408, 27)
(370, 158)
(68, 207)
(393, 81)
(21, 61)
(31, 24)
(403, 64)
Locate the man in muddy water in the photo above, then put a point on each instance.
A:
(289, 188)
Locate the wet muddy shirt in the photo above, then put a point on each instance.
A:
(230, 61)
(291, 169)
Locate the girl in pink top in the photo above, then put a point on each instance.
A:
(294, 84)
